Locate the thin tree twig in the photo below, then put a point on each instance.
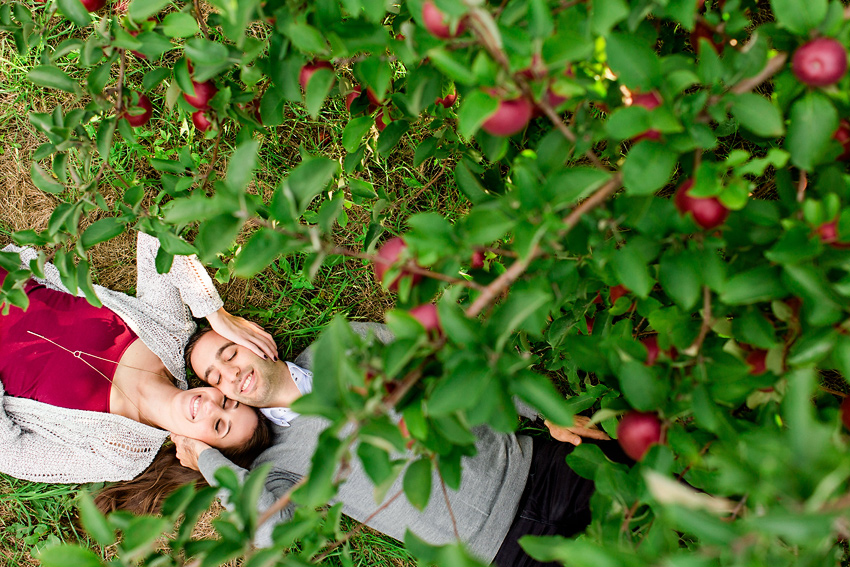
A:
(281, 502)
(448, 504)
(209, 171)
(772, 67)
(115, 173)
(506, 279)
(421, 189)
(202, 22)
(122, 64)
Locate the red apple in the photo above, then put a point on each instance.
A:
(828, 233)
(757, 361)
(842, 134)
(427, 315)
(136, 120)
(93, 5)
(820, 62)
(201, 120)
(477, 260)
(435, 22)
(447, 101)
(651, 344)
(708, 212)
(590, 321)
(617, 292)
(379, 120)
(638, 431)
(352, 96)
(537, 69)
(203, 93)
(388, 255)
(310, 68)
(510, 117)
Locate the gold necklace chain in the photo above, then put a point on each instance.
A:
(78, 354)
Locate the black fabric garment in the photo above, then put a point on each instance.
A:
(556, 500)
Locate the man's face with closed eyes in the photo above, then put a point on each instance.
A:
(240, 374)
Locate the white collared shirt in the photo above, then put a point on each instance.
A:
(304, 381)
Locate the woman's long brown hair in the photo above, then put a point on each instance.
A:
(146, 493)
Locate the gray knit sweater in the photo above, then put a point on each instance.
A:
(46, 443)
(491, 484)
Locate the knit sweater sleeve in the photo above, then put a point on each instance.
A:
(187, 280)
(277, 485)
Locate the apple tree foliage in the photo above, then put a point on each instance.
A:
(587, 261)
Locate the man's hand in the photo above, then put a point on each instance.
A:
(188, 450)
(244, 333)
(576, 431)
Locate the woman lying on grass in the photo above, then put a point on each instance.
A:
(90, 394)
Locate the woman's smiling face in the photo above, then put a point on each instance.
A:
(207, 415)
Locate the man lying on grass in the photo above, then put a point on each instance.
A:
(515, 485)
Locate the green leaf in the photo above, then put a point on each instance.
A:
(85, 284)
(241, 165)
(391, 136)
(643, 390)
(632, 270)
(179, 24)
(758, 115)
(142, 533)
(44, 181)
(417, 483)
(216, 235)
(67, 555)
(813, 120)
(538, 391)
(75, 11)
(540, 19)
(352, 135)
(93, 521)
(799, 17)
(606, 14)
(105, 133)
(155, 77)
(648, 167)
(101, 231)
(306, 38)
(475, 108)
(753, 286)
(317, 90)
(260, 251)
(310, 178)
(679, 275)
(449, 63)
(53, 77)
(141, 10)
(633, 61)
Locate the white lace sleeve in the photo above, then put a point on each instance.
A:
(187, 280)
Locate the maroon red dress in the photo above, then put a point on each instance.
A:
(32, 367)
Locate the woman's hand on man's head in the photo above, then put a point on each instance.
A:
(244, 333)
(188, 450)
